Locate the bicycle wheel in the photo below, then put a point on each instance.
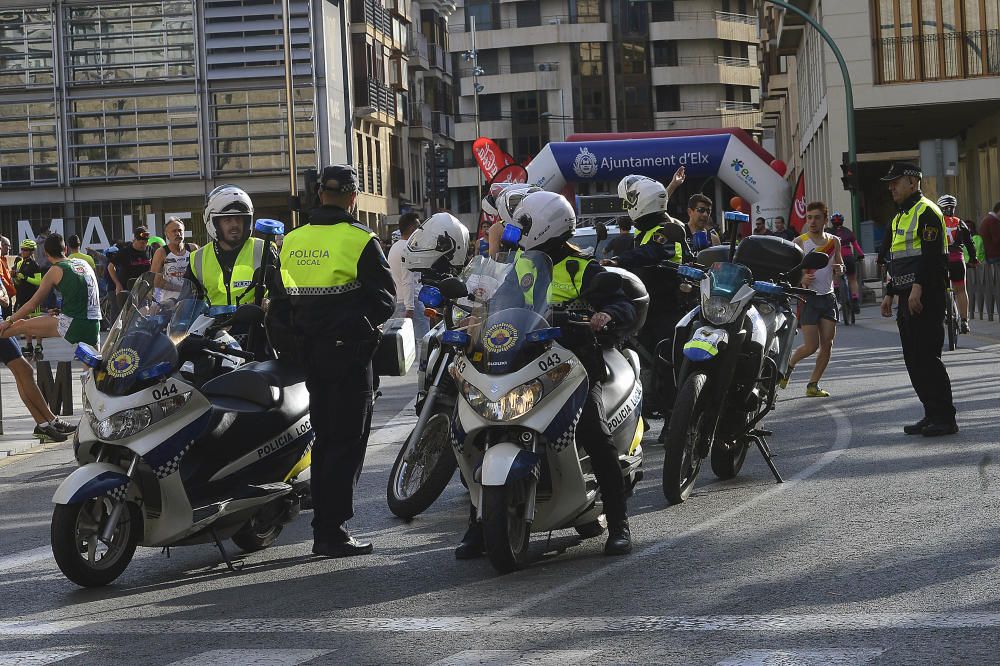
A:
(951, 321)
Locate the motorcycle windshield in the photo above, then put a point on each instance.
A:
(499, 327)
(726, 279)
(141, 347)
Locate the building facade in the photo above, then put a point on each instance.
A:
(919, 71)
(551, 68)
(120, 113)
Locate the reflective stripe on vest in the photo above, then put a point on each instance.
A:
(645, 237)
(906, 244)
(322, 260)
(564, 288)
(206, 269)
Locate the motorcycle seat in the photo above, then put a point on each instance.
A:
(261, 383)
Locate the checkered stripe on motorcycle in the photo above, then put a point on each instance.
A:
(457, 436)
(172, 465)
(568, 438)
(118, 494)
(165, 459)
(561, 432)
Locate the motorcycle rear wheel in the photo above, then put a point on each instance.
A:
(81, 554)
(687, 425)
(253, 536)
(422, 471)
(728, 458)
(505, 530)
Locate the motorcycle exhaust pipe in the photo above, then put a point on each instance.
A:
(116, 511)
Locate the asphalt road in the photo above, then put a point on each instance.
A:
(878, 548)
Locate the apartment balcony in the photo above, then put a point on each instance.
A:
(375, 101)
(416, 49)
(777, 85)
(439, 60)
(468, 176)
(707, 25)
(495, 129)
(508, 34)
(443, 7)
(371, 14)
(709, 115)
(443, 125)
(400, 8)
(708, 70)
(420, 123)
(540, 76)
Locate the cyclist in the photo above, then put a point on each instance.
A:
(959, 236)
(852, 253)
(27, 277)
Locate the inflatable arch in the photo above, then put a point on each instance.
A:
(730, 154)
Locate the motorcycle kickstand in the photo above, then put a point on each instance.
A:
(230, 564)
(766, 452)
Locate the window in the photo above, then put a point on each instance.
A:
(590, 59)
(585, 11)
(522, 59)
(485, 13)
(28, 144)
(633, 58)
(250, 134)
(668, 98)
(359, 160)
(528, 14)
(489, 107)
(463, 199)
(26, 48)
(665, 54)
(663, 10)
(489, 60)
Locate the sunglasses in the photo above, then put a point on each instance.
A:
(703, 210)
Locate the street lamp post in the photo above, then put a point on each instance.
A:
(473, 55)
(290, 115)
(852, 147)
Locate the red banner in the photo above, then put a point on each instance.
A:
(797, 218)
(490, 157)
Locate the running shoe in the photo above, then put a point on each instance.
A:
(64, 427)
(814, 391)
(856, 306)
(28, 351)
(38, 350)
(49, 433)
(783, 382)
(963, 327)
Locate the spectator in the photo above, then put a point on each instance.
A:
(700, 220)
(624, 241)
(130, 262)
(782, 231)
(760, 227)
(7, 289)
(73, 245)
(989, 229)
(407, 282)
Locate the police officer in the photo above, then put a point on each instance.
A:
(339, 290)
(659, 238)
(918, 273)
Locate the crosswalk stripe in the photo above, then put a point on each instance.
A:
(36, 658)
(817, 657)
(261, 657)
(519, 657)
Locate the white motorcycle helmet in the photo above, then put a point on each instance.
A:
(440, 236)
(490, 201)
(227, 200)
(511, 198)
(642, 196)
(542, 217)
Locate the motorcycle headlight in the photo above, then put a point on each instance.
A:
(123, 424)
(516, 402)
(719, 310)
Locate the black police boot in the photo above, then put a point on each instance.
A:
(341, 544)
(472, 545)
(939, 429)
(619, 538)
(918, 427)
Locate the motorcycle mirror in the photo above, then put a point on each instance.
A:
(602, 231)
(452, 288)
(815, 260)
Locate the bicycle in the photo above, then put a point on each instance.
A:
(951, 319)
(844, 299)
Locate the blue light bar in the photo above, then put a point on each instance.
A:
(691, 273)
(457, 338)
(736, 216)
(161, 369)
(219, 310)
(267, 226)
(511, 235)
(544, 334)
(767, 288)
(430, 296)
(87, 355)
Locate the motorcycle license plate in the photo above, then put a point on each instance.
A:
(705, 344)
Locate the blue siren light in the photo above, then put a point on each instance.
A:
(544, 334)
(736, 216)
(430, 296)
(161, 369)
(457, 338)
(87, 355)
(763, 287)
(511, 235)
(691, 272)
(268, 226)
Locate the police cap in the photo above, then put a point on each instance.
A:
(339, 178)
(900, 169)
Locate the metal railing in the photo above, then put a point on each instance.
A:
(417, 45)
(951, 55)
(555, 19)
(512, 69)
(729, 17)
(443, 124)
(421, 116)
(707, 60)
(378, 96)
(720, 105)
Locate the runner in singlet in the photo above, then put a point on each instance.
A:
(172, 260)
(958, 236)
(819, 314)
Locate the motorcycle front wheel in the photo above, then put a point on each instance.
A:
(422, 471)
(688, 424)
(82, 555)
(728, 458)
(505, 529)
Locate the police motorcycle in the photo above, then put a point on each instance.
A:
(425, 463)
(166, 460)
(521, 395)
(729, 354)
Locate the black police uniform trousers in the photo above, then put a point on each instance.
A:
(339, 380)
(922, 337)
(593, 435)
(660, 325)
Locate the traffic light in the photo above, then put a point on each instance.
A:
(849, 174)
(440, 172)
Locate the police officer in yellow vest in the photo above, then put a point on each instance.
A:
(659, 238)
(339, 291)
(225, 267)
(546, 221)
(918, 272)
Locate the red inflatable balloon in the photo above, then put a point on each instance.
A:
(737, 203)
(780, 167)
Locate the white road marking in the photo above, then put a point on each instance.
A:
(841, 441)
(35, 658)
(820, 623)
(819, 657)
(395, 429)
(25, 557)
(260, 657)
(518, 657)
